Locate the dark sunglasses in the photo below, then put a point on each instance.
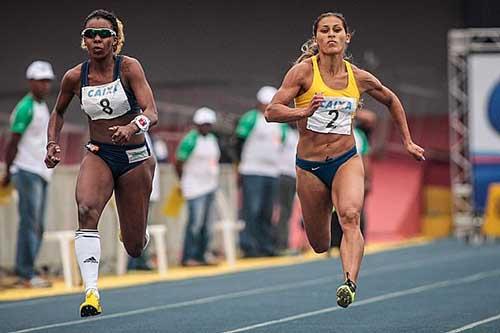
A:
(101, 32)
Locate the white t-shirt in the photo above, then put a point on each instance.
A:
(262, 149)
(200, 174)
(288, 153)
(30, 119)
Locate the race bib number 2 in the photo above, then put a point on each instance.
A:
(333, 116)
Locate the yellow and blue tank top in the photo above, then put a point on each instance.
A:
(337, 110)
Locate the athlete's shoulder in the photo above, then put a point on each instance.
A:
(300, 72)
(72, 75)
(358, 72)
(304, 67)
(130, 65)
(130, 62)
(364, 79)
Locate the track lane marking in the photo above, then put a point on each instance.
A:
(475, 324)
(380, 298)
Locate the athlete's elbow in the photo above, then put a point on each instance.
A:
(392, 101)
(269, 114)
(153, 118)
(154, 121)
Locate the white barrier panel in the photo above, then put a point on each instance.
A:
(484, 84)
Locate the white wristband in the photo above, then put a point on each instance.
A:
(142, 123)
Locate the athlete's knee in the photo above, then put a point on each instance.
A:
(320, 245)
(349, 217)
(134, 250)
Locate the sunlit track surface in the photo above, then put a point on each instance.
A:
(445, 286)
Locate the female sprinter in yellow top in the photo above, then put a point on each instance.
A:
(326, 90)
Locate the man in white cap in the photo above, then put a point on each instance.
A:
(197, 165)
(258, 149)
(24, 159)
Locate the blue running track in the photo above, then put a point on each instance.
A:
(445, 286)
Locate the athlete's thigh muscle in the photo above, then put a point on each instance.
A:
(315, 202)
(132, 191)
(348, 185)
(94, 185)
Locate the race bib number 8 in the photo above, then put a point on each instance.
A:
(333, 116)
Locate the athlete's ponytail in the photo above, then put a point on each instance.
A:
(120, 38)
(309, 49)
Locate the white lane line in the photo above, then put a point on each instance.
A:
(199, 301)
(250, 292)
(474, 324)
(384, 297)
(386, 268)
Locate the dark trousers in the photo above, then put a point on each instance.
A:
(32, 190)
(286, 198)
(197, 230)
(259, 193)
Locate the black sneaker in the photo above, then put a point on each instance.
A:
(346, 293)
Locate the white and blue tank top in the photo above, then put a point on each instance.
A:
(109, 100)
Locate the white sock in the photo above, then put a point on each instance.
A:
(147, 238)
(88, 254)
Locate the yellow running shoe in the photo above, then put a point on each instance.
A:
(346, 293)
(92, 304)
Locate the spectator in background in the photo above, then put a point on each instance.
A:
(259, 146)
(161, 150)
(25, 153)
(197, 165)
(286, 186)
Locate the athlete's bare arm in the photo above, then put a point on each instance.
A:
(134, 73)
(368, 83)
(293, 83)
(69, 84)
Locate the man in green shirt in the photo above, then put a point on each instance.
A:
(259, 146)
(24, 159)
(197, 165)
